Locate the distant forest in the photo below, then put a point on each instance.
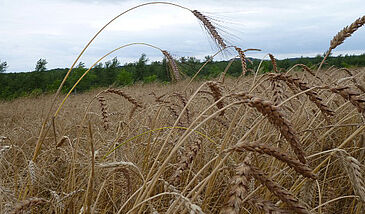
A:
(13, 85)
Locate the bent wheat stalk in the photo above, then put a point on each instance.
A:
(42, 133)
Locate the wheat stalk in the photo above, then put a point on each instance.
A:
(90, 184)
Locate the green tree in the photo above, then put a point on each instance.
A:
(3, 66)
(141, 67)
(41, 65)
(109, 73)
(115, 63)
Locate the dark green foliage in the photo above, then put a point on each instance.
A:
(124, 78)
(150, 79)
(41, 65)
(13, 85)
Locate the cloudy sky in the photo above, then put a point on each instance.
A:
(57, 30)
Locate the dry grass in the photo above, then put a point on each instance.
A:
(234, 146)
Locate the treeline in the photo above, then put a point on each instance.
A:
(13, 85)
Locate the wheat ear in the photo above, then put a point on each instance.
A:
(217, 94)
(352, 96)
(355, 173)
(278, 92)
(239, 187)
(243, 60)
(273, 62)
(346, 32)
(307, 69)
(360, 87)
(275, 152)
(276, 118)
(172, 63)
(104, 111)
(62, 141)
(210, 28)
(268, 207)
(342, 35)
(313, 96)
(127, 97)
(284, 195)
(32, 171)
(186, 161)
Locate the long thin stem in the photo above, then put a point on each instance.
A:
(42, 131)
(324, 59)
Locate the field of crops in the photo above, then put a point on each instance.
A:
(280, 142)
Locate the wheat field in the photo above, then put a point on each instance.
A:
(279, 142)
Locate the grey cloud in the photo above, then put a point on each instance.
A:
(62, 29)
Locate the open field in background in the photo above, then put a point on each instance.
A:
(206, 170)
(279, 142)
